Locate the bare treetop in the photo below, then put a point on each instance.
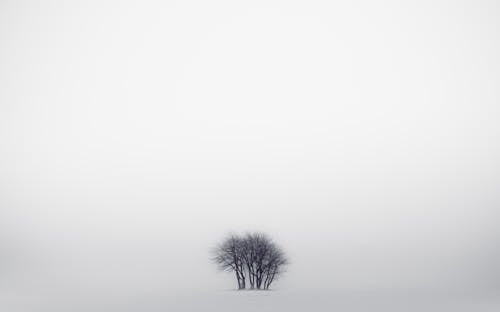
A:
(254, 258)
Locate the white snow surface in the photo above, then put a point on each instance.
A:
(274, 300)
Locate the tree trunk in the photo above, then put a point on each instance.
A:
(238, 278)
(251, 276)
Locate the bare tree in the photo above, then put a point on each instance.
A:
(254, 256)
(276, 260)
(258, 245)
(265, 260)
(228, 257)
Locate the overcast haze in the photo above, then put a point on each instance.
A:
(362, 135)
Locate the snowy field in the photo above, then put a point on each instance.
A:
(222, 301)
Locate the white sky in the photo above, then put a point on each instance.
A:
(362, 135)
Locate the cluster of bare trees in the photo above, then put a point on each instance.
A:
(254, 258)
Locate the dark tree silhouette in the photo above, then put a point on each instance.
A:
(228, 257)
(254, 256)
(273, 266)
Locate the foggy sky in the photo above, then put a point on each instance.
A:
(362, 135)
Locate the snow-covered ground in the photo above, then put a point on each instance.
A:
(278, 300)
